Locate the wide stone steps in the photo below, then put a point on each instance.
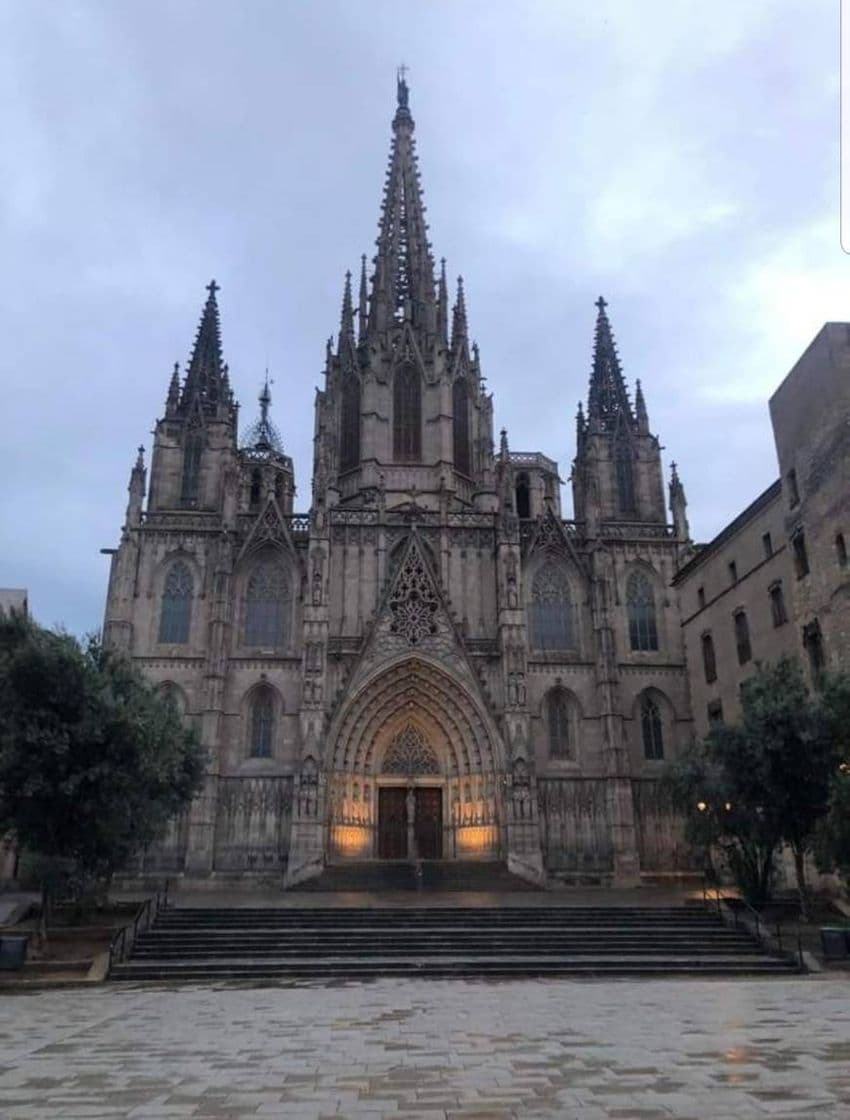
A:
(195, 945)
(399, 875)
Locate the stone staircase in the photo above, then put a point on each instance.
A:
(399, 875)
(521, 941)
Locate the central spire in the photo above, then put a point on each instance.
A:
(608, 398)
(403, 282)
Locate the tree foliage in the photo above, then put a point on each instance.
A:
(93, 760)
(748, 788)
(832, 838)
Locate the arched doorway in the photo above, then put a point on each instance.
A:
(415, 770)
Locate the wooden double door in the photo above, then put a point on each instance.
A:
(394, 832)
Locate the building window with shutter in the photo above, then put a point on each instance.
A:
(777, 604)
(709, 662)
(714, 711)
(801, 557)
(813, 645)
(742, 637)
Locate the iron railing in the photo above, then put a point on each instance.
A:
(762, 928)
(123, 940)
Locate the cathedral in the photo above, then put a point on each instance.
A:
(431, 663)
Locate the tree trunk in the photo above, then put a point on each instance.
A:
(800, 869)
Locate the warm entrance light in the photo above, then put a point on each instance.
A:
(701, 805)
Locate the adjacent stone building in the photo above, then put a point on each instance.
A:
(775, 582)
(736, 598)
(430, 661)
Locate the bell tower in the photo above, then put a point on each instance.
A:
(617, 469)
(403, 413)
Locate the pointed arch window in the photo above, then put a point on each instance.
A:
(349, 436)
(552, 609)
(559, 719)
(624, 468)
(640, 605)
(267, 607)
(651, 729)
(523, 496)
(193, 447)
(176, 614)
(261, 731)
(407, 415)
(256, 488)
(460, 426)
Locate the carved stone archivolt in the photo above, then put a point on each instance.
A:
(443, 710)
(409, 754)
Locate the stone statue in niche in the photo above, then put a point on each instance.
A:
(520, 689)
(317, 583)
(512, 690)
(513, 596)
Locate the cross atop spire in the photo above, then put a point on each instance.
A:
(608, 399)
(205, 368)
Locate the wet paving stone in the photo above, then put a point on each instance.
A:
(686, 1050)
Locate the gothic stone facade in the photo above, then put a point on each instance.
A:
(430, 662)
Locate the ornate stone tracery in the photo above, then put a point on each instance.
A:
(414, 602)
(409, 754)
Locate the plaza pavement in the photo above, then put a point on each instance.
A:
(633, 1050)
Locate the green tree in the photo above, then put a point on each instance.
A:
(832, 838)
(766, 780)
(93, 760)
(713, 784)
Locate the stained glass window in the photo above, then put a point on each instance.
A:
(652, 732)
(559, 718)
(640, 606)
(552, 609)
(262, 723)
(176, 613)
(267, 607)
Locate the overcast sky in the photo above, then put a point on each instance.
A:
(679, 157)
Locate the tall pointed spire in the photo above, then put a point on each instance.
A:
(403, 283)
(363, 308)
(443, 306)
(346, 323)
(204, 372)
(607, 399)
(459, 325)
(640, 410)
(173, 398)
(678, 506)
